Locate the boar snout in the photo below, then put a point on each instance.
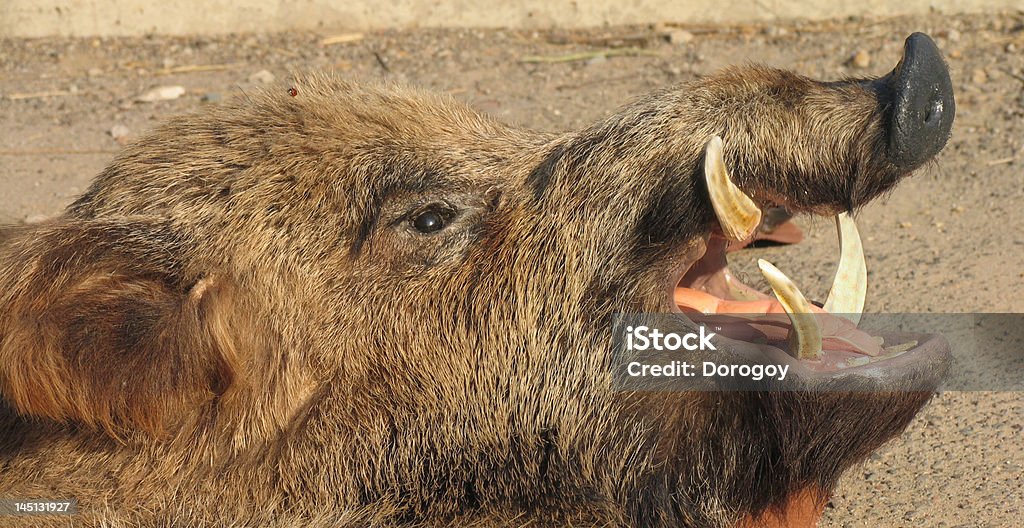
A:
(811, 146)
(922, 103)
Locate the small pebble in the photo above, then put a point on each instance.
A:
(161, 93)
(953, 35)
(680, 37)
(94, 72)
(211, 97)
(120, 133)
(861, 59)
(978, 76)
(262, 77)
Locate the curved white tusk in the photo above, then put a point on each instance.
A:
(737, 214)
(850, 286)
(805, 336)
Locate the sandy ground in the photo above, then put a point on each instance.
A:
(948, 240)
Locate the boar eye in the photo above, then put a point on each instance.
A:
(432, 219)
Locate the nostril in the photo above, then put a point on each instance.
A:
(933, 114)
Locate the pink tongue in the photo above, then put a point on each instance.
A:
(765, 319)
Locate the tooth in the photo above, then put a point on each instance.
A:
(805, 336)
(850, 287)
(738, 215)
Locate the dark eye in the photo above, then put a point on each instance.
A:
(430, 221)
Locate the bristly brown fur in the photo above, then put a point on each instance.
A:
(237, 324)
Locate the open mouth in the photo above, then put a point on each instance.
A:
(822, 339)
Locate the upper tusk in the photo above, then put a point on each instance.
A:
(737, 214)
(850, 286)
(805, 336)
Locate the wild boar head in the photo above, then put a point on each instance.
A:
(406, 307)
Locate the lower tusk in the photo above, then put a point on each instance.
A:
(805, 336)
(737, 214)
(850, 286)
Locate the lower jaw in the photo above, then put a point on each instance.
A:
(708, 292)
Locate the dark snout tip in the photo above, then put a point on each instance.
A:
(922, 103)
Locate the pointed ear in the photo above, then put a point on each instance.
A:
(102, 323)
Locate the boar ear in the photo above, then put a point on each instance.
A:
(101, 324)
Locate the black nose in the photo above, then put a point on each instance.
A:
(922, 103)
